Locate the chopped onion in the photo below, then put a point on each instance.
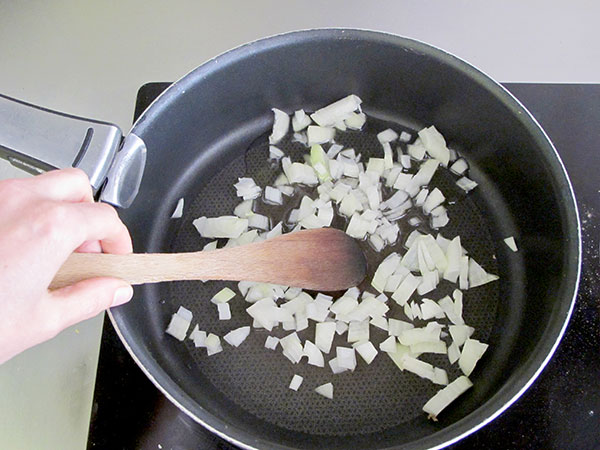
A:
(380, 322)
(438, 347)
(346, 358)
(275, 153)
(224, 311)
(355, 121)
(459, 167)
(417, 335)
(237, 336)
(223, 296)
(319, 135)
(341, 327)
(453, 256)
(301, 138)
(405, 161)
(324, 333)
(315, 357)
(388, 135)
(358, 331)
(433, 200)
(478, 276)
(273, 196)
(300, 120)
(444, 397)
(299, 173)
(244, 209)
(472, 351)
(460, 333)
(406, 289)
(333, 150)
(466, 184)
(292, 348)
(431, 310)
(396, 327)
(405, 137)
(213, 344)
(464, 273)
(453, 352)
(335, 368)
(510, 242)
(326, 390)
(367, 351)
(447, 306)
(416, 150)
(320, 163)
(178, 326)
(296, 382)
(258, 221)
(247, 189)
(221, 227)
(178, 210)
(199, 338)
(271, 342)
(210, 246)
(281, 125)
(389, 345)
(339, 110)
(435, 144)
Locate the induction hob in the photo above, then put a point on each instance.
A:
(560, 411)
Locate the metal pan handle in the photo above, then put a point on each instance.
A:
(36, 139)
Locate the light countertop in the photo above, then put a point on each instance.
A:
(89, 59)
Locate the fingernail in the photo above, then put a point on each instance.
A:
(122, 295)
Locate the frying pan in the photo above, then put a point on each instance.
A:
(211, 126)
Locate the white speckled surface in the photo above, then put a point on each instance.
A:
(90, 58)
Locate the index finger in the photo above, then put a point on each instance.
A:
(70, 185)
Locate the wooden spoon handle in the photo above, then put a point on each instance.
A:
(323, 259)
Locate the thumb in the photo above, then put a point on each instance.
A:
(87, 298)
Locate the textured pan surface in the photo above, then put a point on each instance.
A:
(374, 397)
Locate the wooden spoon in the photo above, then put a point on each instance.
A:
(323, 259)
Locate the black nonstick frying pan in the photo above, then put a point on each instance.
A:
(211, 127)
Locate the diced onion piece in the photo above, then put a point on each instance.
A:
(319, 135)
(199, 338)
(326, 390)
(438, 347)
(358, 331)
(431, 310)
(440, 376)
(389, 345)
(315, 357)
(405, 161)
(367, 351)
(416, 150)
(464, 273)
(275, 153)
(244, 209)
(258, 221)
(223, 296)
(271, 342)
(453, 256)
(439, 217)
(281, 125)
(336, 111)
(421, 197)
(380, 322)
(324, 333)
(296, 382)
(388, 135)
(292, 348)
(406, 289)
(237, 336)
(178, 326)
(384, 271)
(346, 358)
(355, 121)
(213, 344)
(429, 282)
(416, 310)
(405, 137)
(418, 367)
(185, 313)
(178, 210)
(210, 246)
(247, 189)
(460, 333)
(447, 306)
(472, 352)
(453, 352)
(224, 311)
(510, 242)
(396, 327)
(335, 368)
(459, 167)
(435, 144)
(273, 196)
(478, 276)
(221, 227)
(433, 200)
(341, 327)
(376, 242)
(320, 163)
(300, 120)
(388, 155)
(417, 335)
(444, 397)
(466, 184)
(350, 204)
(299, 173)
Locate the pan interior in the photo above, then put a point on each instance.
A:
(374, 397)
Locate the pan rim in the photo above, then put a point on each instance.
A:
(532, 369)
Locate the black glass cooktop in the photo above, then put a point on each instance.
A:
(560, 411)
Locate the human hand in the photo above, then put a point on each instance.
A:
(42, 221)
